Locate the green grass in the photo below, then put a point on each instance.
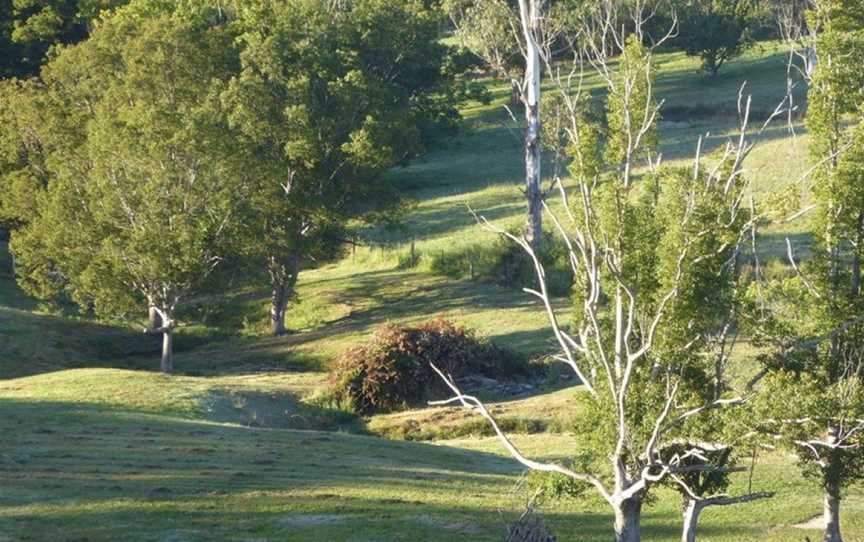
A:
(96, 446)
(88, 470)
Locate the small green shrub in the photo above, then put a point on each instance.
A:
(393, 369)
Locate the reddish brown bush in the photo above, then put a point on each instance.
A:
(392, 370)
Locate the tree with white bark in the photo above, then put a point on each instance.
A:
(813, 403)
(656, 256)
(500, 32)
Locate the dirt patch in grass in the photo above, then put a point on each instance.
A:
(459, 526)
(310, 520)
(815, 523)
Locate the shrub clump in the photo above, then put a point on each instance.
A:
(392, 371)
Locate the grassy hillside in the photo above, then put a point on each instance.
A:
(94, 445)
(88, 463)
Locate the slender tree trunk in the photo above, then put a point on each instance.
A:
(856, 257)
(515, 93)
(278, 301)
(627, 517)
(167, 364)
(832, 516)
(534, 224)
(691, 520)
(283, 278)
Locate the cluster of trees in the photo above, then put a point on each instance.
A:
(182, 137)
(149, 145)
(524, 43)
(668, 274)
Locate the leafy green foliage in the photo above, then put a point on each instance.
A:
(716, 30)
(329, 97)
(145, 181)
(811, 321)
(30, 28)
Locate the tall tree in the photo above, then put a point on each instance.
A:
(137, 211)
(331, 95)
(497, 31)
(813, 318)
(655, 261)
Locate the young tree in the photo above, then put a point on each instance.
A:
(137, 212)
(656, 264)
(716, 31)
(331, 95)
(813, 318)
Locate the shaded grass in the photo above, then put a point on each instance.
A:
(90, 472)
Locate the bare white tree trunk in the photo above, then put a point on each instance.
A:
(831, 514)
(694, 506)
(166, 329)
(832, 517)
(278, 301)
(529, 11)
(627, 517)
(691, 520)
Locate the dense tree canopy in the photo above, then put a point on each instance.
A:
(716, 30)
(182, 134)
(141, 179)
(331, 96)
(29, 28)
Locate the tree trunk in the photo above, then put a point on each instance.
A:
(534, 222)
(856, 256)
(167, 364)
(627, 516)
(153, 319)
(515, 93)
(283, 278)
(278, 300)
(691, 521)
(831, 515)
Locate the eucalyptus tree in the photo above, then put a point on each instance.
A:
(655, 252)
(814, 402)
(331, 95)
(500, 32)
(140, 203)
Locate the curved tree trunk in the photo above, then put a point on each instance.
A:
(167, 364)
(627, 518)
(831, 515)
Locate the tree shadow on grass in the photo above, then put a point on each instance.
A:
(92, 473)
